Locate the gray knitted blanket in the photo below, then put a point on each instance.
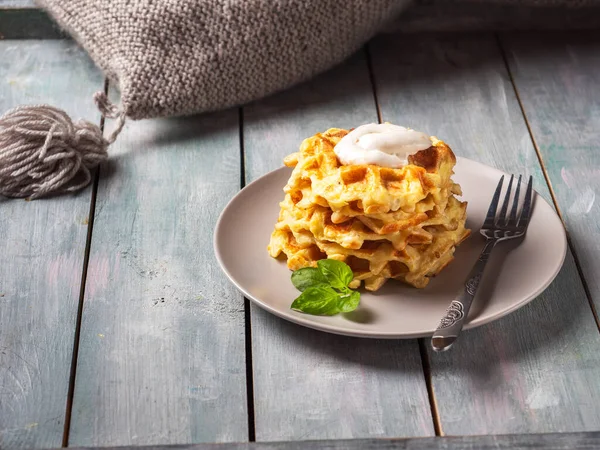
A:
(176, 57)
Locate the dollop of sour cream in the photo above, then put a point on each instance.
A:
(382, 144)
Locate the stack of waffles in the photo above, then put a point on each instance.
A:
(384, 223)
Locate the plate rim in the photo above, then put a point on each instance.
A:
(299, 320)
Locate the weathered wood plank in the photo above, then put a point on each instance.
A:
(308, 384)
(42, 246)
(21, 19)
(566, 441)
(17, 4)
(557, 77)
(536, 370)
(162, 349)
(462, 16)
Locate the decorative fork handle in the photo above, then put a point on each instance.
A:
(452, 323)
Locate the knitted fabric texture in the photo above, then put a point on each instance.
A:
(176, 57)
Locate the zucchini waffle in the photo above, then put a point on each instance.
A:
(384, 223)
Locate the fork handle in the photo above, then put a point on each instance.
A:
(452, 323)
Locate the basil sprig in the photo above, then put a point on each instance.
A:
(325, 290)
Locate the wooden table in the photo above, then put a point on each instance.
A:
(118, 328)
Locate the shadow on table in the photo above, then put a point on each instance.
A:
(559, 319)
(382, 354)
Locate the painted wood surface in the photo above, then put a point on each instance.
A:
(563, 441)
(162, 348)
(462, 16)
(538, 369)
(559, 84)
(309, 384)
(17, 4)
(21, 19)
(42, 246)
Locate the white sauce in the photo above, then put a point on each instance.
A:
(383, 144)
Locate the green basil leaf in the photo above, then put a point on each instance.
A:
(348, 301)
(319, 301)
(338, 273)
(308, 277)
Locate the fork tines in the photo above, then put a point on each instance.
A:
(512, 219)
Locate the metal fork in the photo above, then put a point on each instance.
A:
(495, 229)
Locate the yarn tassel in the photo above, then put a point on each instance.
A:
(43, 152)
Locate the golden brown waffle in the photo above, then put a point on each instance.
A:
(384, 223)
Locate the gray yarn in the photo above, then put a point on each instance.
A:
(42, 151)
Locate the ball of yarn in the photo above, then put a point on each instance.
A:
(43, 151)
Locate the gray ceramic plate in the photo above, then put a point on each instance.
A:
(515, 274)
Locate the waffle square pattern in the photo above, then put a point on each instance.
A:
(402, 223)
